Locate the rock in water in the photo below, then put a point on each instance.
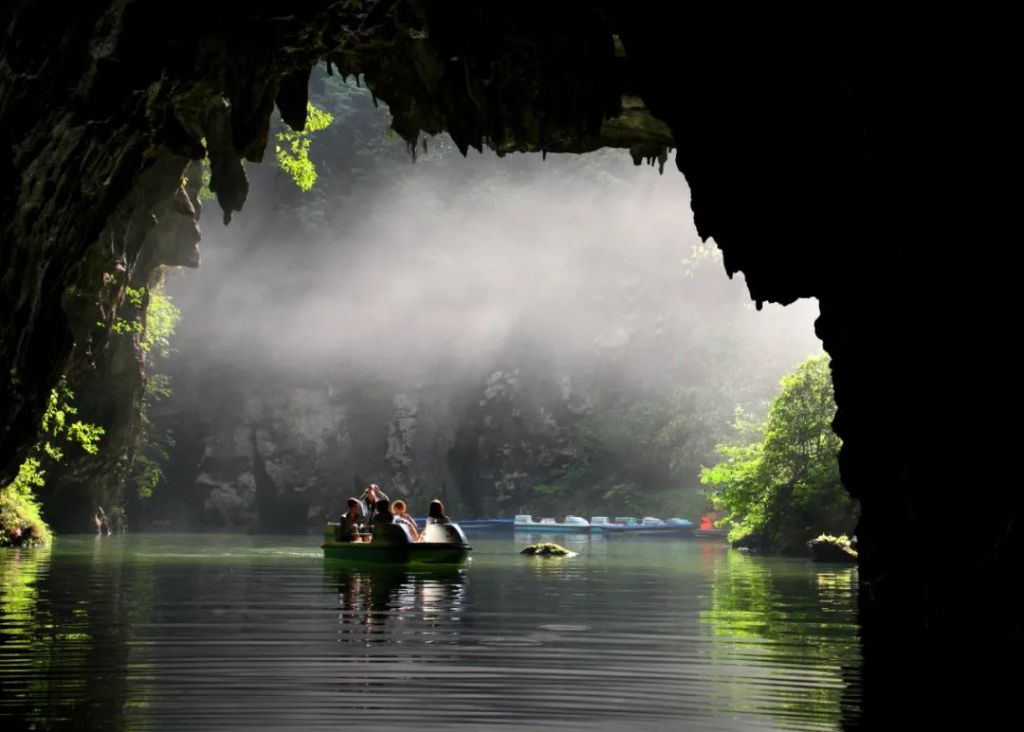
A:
(547, 550)
(832, 549)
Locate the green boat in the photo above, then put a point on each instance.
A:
(392, 544)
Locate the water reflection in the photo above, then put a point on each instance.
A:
(19, 572)
(174, 633)
(64, 629)
(793, 631)
(375, 603)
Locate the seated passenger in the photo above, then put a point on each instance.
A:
(381, 513)
(351, 522)
(401, 513)
(435, 514)
(386, 527)
(373, 495)
(440, 529)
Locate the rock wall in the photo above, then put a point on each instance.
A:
(284, 457)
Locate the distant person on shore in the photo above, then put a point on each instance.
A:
(100, 520)
(401, 513)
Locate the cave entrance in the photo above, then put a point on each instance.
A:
(538, 333)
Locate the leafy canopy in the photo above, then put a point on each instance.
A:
(784, 489)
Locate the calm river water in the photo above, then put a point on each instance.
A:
(206, 632)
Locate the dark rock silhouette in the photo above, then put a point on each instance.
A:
(863, 160)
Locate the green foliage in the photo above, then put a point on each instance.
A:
(156, 318)
(59, 428)
(638, 454)
(20, 520)
(749, 604)
(136, 298)
(162, 317)
(784, 489)
(152, 446)
(205, 194)
(292, 148)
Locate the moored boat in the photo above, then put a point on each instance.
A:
(392, 544)
(572, 525)
(648, 526)
(504, 523)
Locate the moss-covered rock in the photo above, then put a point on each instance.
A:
(827, 548)
(547, 550)
(20, 522)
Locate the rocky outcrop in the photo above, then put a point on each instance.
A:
(196, 92)
(151, 229)
(835, 549)
(547, 550)
(284, 458)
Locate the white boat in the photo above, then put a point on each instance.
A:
(572, 525)
(648, 525)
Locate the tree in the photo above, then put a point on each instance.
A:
(783, 490)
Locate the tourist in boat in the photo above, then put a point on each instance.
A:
(372, 496)
(436, 514)
(439, 527)
(351, 522)
(401, 513)
(381, 513)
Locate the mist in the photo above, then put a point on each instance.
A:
(448, 266)
(506, 334)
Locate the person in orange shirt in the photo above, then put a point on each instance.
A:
(401, 513)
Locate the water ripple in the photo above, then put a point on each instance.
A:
(206, 633)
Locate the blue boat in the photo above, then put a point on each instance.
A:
(486, 523)
(647, 526)
(571, 525)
